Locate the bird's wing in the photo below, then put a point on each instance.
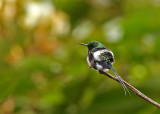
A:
(107, 56)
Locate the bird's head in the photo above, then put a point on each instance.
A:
(92, 45)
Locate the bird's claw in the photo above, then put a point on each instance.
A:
(100, 71)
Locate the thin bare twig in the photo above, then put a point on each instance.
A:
(137, 92)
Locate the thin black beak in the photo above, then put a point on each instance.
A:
(83, 44)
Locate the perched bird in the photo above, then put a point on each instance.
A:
(101, 59)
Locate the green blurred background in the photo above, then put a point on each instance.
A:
(44, 71)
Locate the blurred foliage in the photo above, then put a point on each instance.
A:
(44, 71)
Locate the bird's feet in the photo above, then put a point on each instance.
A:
(101, 72)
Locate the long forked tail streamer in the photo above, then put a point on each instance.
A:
(120, 80)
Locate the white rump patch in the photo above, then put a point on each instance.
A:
(97, 54)
(98, 66)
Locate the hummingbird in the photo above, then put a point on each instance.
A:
(101, 59)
